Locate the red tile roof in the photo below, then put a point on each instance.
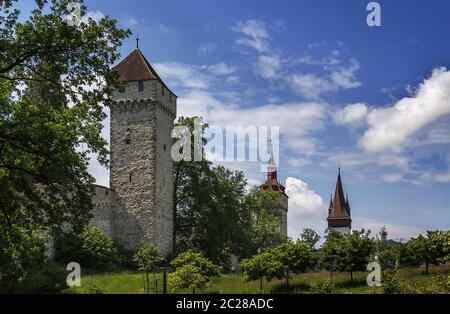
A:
(339, 208)
(135, 67)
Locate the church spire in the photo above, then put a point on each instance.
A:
(339, 213)
(272, 168)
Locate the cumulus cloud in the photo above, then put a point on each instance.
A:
(255, 34)
(268, 66)
(390, 127)
(353, 114)
(306, 208)
(313, 86)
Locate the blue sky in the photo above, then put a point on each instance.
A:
(375, 100)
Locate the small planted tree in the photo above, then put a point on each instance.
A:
(147, 258)
(192, 271)
(295, 257)
(256, 267)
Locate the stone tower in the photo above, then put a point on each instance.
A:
(142, 118)
(339, 216)
(272, 184)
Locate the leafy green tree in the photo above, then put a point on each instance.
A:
(310, 237)
(257, 267)
(355, 252)
(330, 252)
(295, 257)
(192, 270)
(54, 78)
(385, 252)
(432, 249)
(263, 232)
(148, 259)
(348, 253)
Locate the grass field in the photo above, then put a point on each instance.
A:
(410, 281)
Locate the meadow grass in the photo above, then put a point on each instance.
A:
(412, 280)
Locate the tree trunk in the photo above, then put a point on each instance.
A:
(351, 277)
(426, 265)
(148, 282)
(193, 290)
(260, 283)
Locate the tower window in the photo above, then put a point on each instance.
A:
(130, 178)
(164, 147)
(140, 86)
(128, 136)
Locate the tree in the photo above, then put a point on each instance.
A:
(54, 78)
(295, 257)
(385, 252)
(347, 252)
(263, 208)
(192, 270)
(257, 267)
(431, 249)
(92, 249)
(310, 237)
(147, 258)
(330, 250)
(355, 252)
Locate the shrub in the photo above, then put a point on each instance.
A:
(323, 287)
(193, 271)
(92, 249)
(147, 259)
(390, 283)
(49, 278)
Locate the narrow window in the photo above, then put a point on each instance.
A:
(164, 147)
(141, 86)
(130, 178)
(128, 136)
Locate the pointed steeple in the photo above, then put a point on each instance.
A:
(339, 205)
(272, 168)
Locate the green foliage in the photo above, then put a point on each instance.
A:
(434, 249)
(21, 252)
(192, 270)
(295, 257)
(323, 287)
(212, 211)
(385, 252)
(347, 252)
(390, 283)
(44, 182)
(93, 249)
(147, 257)
(50, 277)
(310, 237)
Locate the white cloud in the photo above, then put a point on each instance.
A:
(268, 66)
(312, 86)
(219, 68)
(442, 178)
(352, 114)
(177, 74)
(393, 177)
(306, 208)
(390, 127)
(255, 32)
(95, 15)
(395, 231)
(207, 49)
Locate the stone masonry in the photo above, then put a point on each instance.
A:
(139, 202)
